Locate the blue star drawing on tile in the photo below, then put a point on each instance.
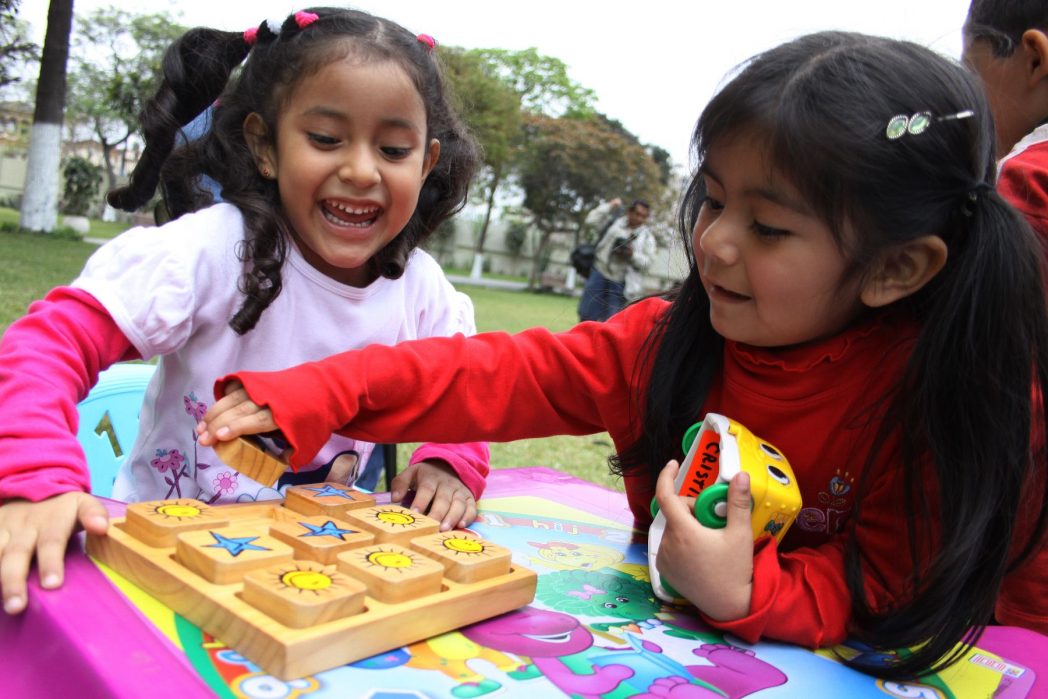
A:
(329, 489)
(329, 529)
(235, 545)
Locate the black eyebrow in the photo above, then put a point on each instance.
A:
(338, 115)
(776, 196)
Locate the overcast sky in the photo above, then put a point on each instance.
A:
(653, 64)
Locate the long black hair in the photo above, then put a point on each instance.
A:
(202, 67)
(822, 104)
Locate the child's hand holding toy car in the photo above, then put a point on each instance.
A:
(763, 500)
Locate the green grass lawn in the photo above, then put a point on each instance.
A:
(35, 263)
(99, 229)
(512, 311)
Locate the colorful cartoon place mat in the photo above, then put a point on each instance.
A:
(594, 630)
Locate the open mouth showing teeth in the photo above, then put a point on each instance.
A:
(353, 216)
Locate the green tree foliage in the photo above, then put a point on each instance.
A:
(568, 156)
(569, 165)
(82, 180)
(492, 110)
(15, 47)
(115, 70)
(541, 81)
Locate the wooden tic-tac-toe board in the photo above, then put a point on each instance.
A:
(323, 578)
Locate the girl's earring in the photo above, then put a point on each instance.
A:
(266, 172)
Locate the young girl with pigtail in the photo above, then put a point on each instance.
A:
(858, 295)
(337, 153)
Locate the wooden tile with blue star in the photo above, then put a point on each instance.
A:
(224, 556)
(319, 537)
(329, 499)
(321, 579)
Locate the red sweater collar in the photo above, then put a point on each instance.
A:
(880, 342)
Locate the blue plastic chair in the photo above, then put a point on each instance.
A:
(109, 421)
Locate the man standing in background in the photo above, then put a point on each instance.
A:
(623, 254)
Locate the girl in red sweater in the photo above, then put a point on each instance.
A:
(858, 295)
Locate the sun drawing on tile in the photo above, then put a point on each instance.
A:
(306, 580)
(463, 544)
(397, 517)
(183, 510)
(391, 559)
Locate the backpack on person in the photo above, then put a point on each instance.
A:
(584, 254)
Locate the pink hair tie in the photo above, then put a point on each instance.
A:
(429, 41)
(303, 19)
(250, 35)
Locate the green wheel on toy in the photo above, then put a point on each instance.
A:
(689, 437)
(654, 508)
(706, 506)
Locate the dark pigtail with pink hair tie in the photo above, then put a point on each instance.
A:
(271, 29)
(195, 70)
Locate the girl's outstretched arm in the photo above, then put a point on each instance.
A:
(711, 568)
(491, 386)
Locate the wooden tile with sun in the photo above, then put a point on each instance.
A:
(465, 556)
(303, 593)
(159, 522)
(393, 523)
(319, 580)
(392, 573)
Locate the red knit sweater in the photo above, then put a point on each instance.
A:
(1023, 182)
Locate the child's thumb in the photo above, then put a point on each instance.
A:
(740, 501)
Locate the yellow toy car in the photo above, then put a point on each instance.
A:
(717, 449)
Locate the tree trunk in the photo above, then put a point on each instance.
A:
(495, 179)
(478, 250)
(107, 158)
(108, 149)
(40, 198)
(537, 261)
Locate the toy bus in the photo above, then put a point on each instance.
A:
(718, 448)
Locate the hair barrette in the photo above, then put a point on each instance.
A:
(271, 26)
(429, 41)
(916, 124)
(303, 19)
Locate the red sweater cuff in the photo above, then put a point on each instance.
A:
(305, 431)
